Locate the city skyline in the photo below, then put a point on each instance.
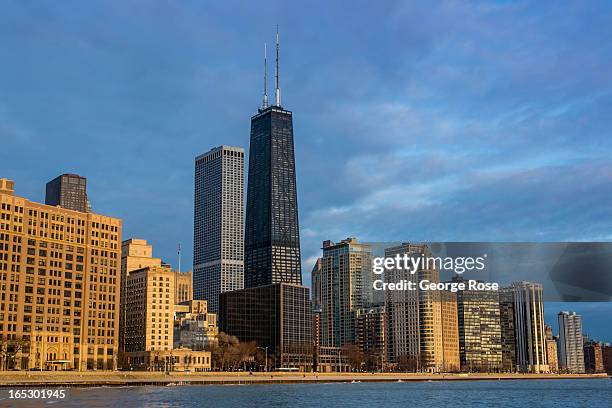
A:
(408, 114)
(260, 306)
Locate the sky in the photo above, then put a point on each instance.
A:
(420, 121)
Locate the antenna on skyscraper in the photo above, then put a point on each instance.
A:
(277, 95)
(179, 257)
(265, 95)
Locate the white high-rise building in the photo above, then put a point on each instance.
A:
(570, 347)
(529, 327)
(218, 253)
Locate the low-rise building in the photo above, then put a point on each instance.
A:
(179, 359)
(194, 326)
(606, 351)
(277, 317)
(593, 357)
(551, 349)
(552, 355)
(330, 359)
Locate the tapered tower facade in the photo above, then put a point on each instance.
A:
(272, 238)
(274, 309)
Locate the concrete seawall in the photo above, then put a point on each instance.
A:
(93, 379)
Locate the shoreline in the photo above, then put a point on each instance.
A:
(121, 379)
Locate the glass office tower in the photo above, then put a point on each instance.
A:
(272, 240)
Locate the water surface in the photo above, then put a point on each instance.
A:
(508, 393)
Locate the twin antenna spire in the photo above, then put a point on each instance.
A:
(277, 93)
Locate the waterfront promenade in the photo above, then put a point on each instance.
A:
(101, 378)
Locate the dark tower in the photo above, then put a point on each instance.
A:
(272, 238)
(273, 309)
(67, 191)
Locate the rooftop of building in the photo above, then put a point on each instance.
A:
(8, 187)
(350, 241)
(135, 241)
(74, 175)
(273, 108)
(220, 148)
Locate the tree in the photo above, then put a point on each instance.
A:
(356, 358)
(407, 363)
(246, 352)
(9, 349)
(225, 352)
(373, 360)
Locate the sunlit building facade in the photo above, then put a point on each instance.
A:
(60, 282)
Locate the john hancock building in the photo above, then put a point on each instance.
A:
(274, 308)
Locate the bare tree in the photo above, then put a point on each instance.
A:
(356, 358)
(9, 349)
(246, 352)
(374, 359)
(225, 351)
(407, 363)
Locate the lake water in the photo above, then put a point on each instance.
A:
(518, 393)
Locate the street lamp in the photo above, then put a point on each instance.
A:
(266, 350)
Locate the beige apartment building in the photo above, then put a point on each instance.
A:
(422, 326)
(60, 282)
(149, 309)
(149, 323)
(136, 254)
(438, 327)
(552, 355)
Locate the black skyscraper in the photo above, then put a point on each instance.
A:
(273, 309)
(67, 191)
(272, 239)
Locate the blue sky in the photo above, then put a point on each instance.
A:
(432, 121)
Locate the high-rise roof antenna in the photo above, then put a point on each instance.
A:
(265, 94)
(277, 95)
